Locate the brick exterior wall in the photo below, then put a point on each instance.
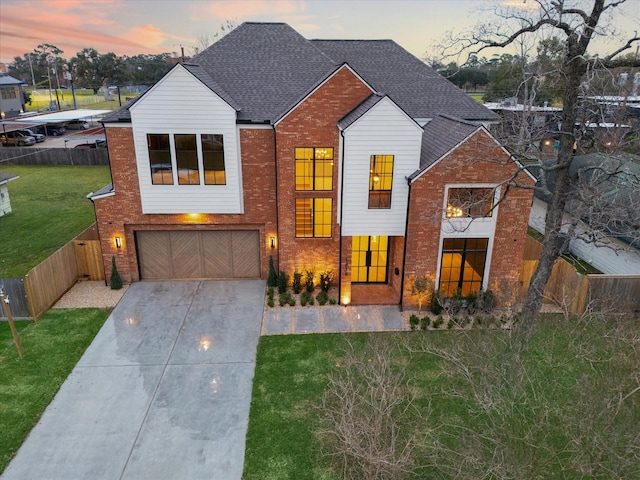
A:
(121, 214)
(313, 123)
(478, 160)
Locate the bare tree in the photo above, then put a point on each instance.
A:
(577, 23)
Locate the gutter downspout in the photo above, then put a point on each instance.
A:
(275, 159)
(404, 250)
(341, 210)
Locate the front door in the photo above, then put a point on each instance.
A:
(369, 259)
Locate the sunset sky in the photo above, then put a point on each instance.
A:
(130, 27)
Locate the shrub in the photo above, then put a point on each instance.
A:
(438, 321)
(285, 298)
(297, 282)
(326, 278)
(486, 301)
(322, 297)
(450, 324)
(270, 293)
(413, 321)
(308, 281)
(472, 303)
(424, 322)
(435, 304)
(282, 282)
(305, 298)
(272, 279)
(421, 289)
(333, 301)
(116, 281)
(271, 302)
(292, 301)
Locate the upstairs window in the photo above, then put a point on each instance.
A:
(314, 168)
(470, 202)
(380, 181)
(160, 159)
(196, 159)
(213, 160)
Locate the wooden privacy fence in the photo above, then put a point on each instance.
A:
(80, 259)
(566, 287)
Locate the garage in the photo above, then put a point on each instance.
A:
(179, 254)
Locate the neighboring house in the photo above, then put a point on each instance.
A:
(5, 203)
(350, 156)
(11, 98)
(612, 246)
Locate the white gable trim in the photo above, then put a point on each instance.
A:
(386, 98)
(317, 87)
(167, 75)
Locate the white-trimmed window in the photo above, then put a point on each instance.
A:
(470, 202)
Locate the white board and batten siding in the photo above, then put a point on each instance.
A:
(384, 130)
(617, 258)
(181, 104)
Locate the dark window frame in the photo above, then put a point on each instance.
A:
(380, 181)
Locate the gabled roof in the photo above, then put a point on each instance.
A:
(366, 105)
(414, 86)
(441, 135)
(6, 177)
(264, 69)
(9, 80)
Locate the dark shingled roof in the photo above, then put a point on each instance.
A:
(441, 135)
(264, 69)
(360, 110)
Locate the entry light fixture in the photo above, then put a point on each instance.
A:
(272, 242)
(118, 241)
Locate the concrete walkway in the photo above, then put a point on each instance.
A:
(163, 392)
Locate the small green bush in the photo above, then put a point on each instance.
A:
(326, 279)
(116, 281)
(272, 279)
(322, 297)
(424, 322)
(292, 302)
(450, 324)
(435, 304)
(486, 301)
(282, 282)
(271, 302)
(306, 297)
(308, 281)
(297, 282)
(285, 299)
(413, 321)
(332, 301)
(270, 292)
(438, 321)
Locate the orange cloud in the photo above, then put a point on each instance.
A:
(147, 35)
(248, 9)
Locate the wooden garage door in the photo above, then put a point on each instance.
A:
(202, 254)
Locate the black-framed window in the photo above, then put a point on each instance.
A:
(470, 202)
(213, 159)
(160, 158)
(462, 265)
(314, 168)
(380, 181)
(187, 159)
(313, 217)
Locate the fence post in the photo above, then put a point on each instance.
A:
(30, 297)
(7, 310)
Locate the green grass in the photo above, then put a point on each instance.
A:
(49, 208)
(291, 375)
(5, 332)
(51, 347)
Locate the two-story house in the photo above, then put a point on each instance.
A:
(350, 156)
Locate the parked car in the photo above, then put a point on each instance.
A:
(96, 144)
(77, 125)
(30, 133)
(16, 139)
(53, 129)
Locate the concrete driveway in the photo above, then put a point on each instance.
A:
(163, 392)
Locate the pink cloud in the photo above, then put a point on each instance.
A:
(248, 9)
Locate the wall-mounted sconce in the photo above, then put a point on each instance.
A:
(118, 241)
(272, 242)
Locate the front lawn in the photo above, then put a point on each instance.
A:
(51, 348)
(49, 208)
(563, 404)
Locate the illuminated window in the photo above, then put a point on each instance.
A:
(462, 265)
(380, 181)
(369, 259)
(213, 160)
(160, 159)
(313, 217)
(187, 160)
(194, 158)
(470, 202)
(314, 168)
